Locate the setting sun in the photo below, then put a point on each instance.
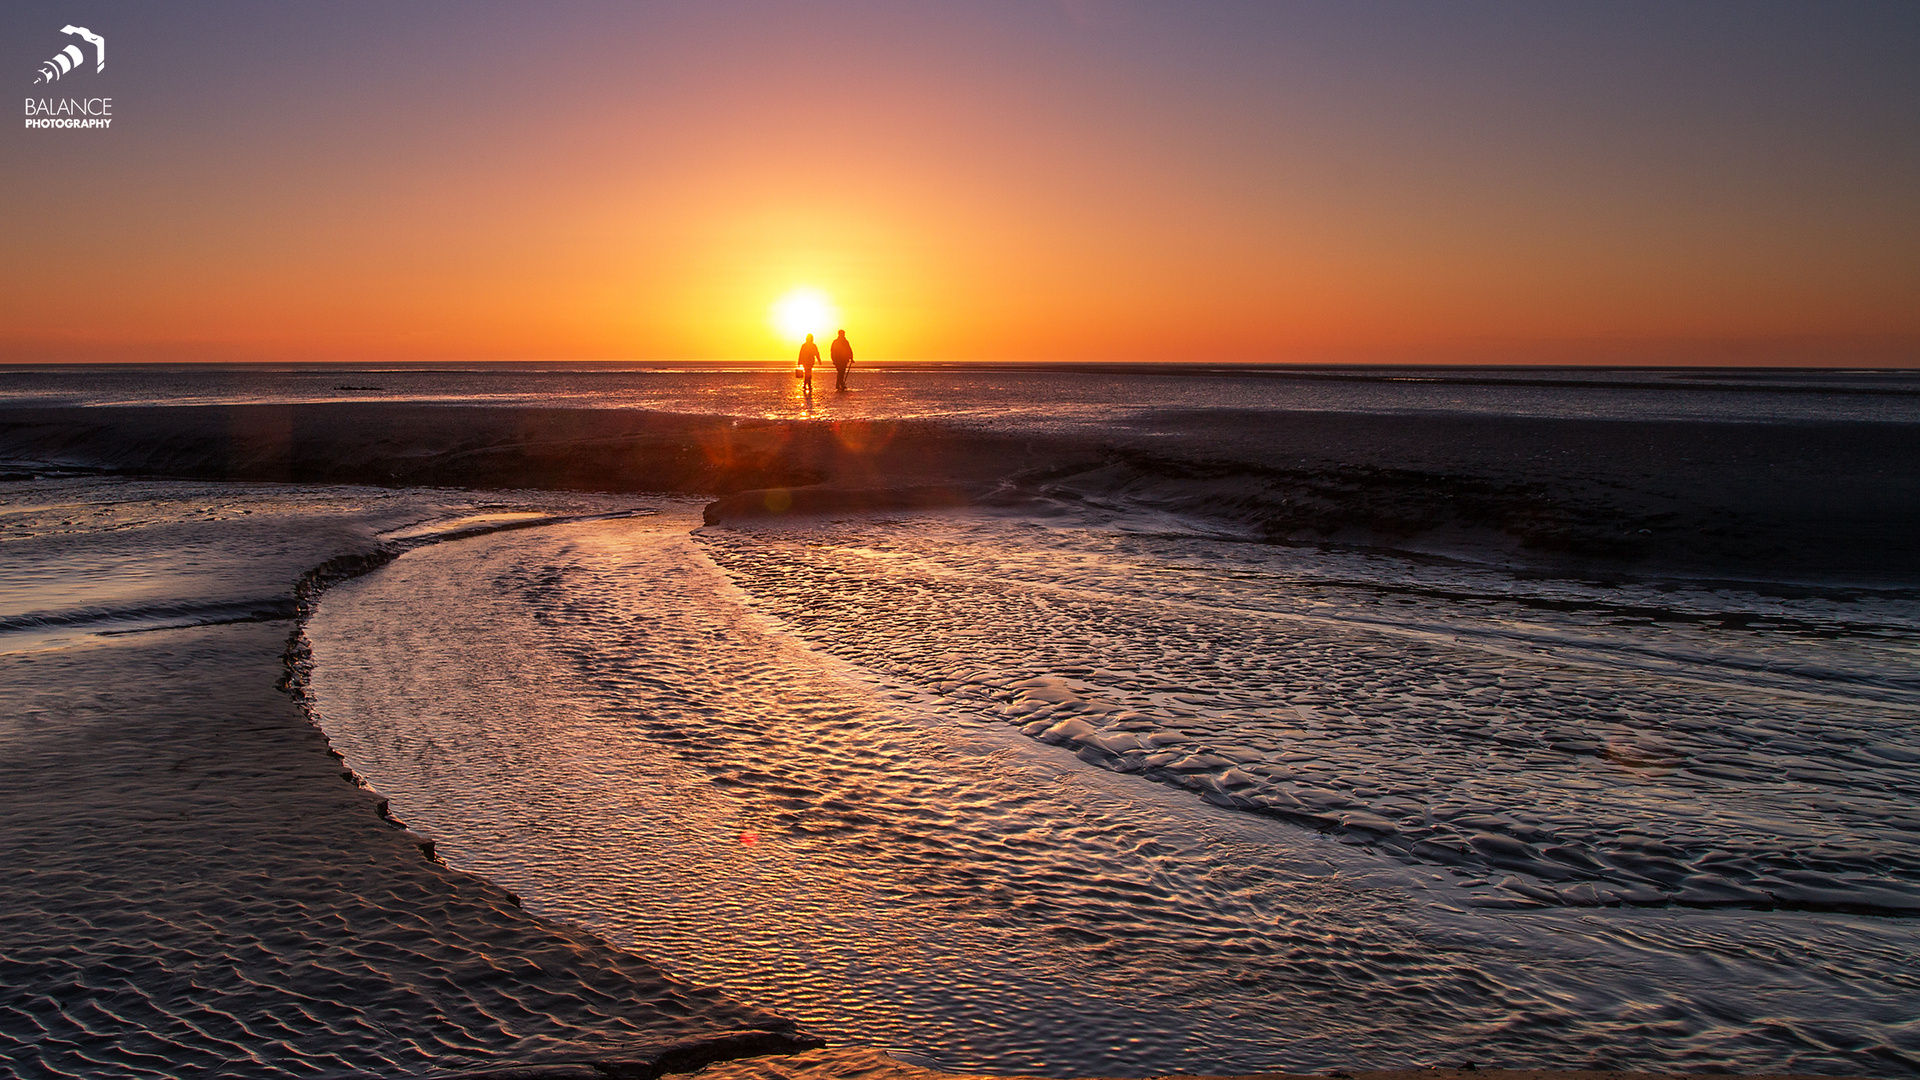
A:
(804, 311)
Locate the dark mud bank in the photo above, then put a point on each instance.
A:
(1787, 501)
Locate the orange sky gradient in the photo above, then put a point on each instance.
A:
(995, 182)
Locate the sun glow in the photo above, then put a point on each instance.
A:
(805, 311)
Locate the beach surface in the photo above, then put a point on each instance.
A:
(1832, 500)
(862, 1064)
(198, 887)
(869, 1064)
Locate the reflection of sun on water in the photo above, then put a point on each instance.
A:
(805, 311)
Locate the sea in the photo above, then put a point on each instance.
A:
(1087, 788)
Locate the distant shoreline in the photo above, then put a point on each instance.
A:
(1170, 367)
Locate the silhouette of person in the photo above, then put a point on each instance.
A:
(809, 356)
(842, 352)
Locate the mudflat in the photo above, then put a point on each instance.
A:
(1815, 500)
(866, 1064)
(195, 886)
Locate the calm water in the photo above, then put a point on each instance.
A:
(1005, 395)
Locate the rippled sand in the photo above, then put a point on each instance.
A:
(872, 1065)
(1682, 744)
(812, 797)
(193, 886)
(891, 776)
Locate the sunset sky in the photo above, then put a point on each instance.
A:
(1452, 182)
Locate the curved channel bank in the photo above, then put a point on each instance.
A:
(193, 885)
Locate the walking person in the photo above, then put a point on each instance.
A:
(842, 352)
(809, 356)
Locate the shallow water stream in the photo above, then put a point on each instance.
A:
(805, 764)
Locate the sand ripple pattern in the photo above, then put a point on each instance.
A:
(191, 884)
(592, 716)
(1578, 745)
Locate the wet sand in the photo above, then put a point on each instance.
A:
(195, 888)
(861, 1064)
(872, 1065)
(1796, 501)
(868, 1064)
(194, 883)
